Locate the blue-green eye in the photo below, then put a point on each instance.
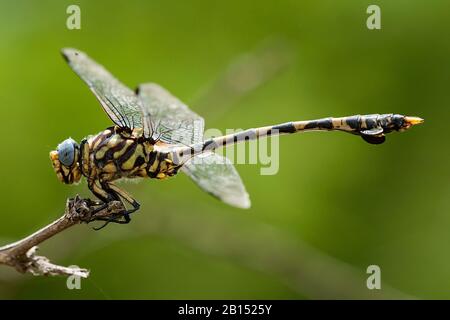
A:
(66, 152)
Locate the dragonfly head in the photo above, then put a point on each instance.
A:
(66, 161)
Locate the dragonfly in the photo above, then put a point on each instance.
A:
(155, 135)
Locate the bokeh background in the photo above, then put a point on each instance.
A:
(337, 204)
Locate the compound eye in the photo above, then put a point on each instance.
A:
(66, 152)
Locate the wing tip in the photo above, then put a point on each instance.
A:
(70, 53)
(241, 202)
(247, 205)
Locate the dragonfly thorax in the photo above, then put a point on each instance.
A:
(66, 161)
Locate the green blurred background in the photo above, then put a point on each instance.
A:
(337, 204)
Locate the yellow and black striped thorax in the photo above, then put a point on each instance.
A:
(120, 153)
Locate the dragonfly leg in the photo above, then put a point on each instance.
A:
(126, 220)
(106, 195)
(99, 192)
(100, 205)
(119, 194)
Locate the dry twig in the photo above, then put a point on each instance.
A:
(21, 255)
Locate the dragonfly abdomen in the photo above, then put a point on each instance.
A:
(370, 127)
(349, 124)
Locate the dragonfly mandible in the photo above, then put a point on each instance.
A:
(155, 135)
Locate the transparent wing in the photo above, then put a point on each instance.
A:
(216, 175)
(211, 172)
(170, 117)
(120, 103)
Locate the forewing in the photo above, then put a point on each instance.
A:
(216, 175)
(120, 102)
(170, 118)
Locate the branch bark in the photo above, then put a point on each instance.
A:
(22, 256)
